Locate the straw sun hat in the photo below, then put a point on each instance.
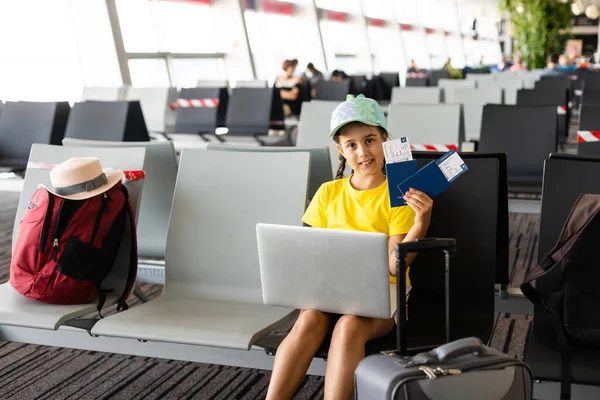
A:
(82, 178)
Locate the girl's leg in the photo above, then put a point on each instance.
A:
(296, 352)
(347, 348)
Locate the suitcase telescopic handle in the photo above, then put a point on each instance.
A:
(448, 246)
(402, 249)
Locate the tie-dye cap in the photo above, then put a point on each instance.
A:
(360, 109)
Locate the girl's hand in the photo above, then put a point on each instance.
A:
(421, 204)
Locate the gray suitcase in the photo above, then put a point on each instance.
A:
(462, 369)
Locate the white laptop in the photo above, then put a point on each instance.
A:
(331, 270)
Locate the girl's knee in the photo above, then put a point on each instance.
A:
(350, 328)
(312, 322)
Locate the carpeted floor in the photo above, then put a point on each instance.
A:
(41, 372)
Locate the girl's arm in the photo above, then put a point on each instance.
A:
(422, 205)
(290, 94)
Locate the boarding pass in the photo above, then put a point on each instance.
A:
(451, 165)
(397, 150)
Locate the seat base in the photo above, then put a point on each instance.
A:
(79, 339)
(170, 318)
(544, 359)
(547, 390)
(20, 311)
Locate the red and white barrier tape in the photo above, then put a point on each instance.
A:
(417, 75)
(130, 175)
(434, 147)
(588, 136)
(561, 110)
(193, 103)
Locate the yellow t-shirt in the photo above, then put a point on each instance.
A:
(338, 205)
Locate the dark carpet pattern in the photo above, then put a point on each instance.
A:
(42, 372)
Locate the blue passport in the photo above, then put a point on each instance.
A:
(399, 172)
(436, 176)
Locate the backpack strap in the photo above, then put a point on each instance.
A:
(133, 256)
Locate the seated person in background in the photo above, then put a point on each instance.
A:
(518, 65)
(290, 89)
(338, 75)
(358, 202)
(503, 65)
(565, 64)
(312, 74)
(453, 72)
(552, 68)
(413, 67)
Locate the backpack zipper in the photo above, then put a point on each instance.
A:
(99, 217)
(47, 220)
(56, 227)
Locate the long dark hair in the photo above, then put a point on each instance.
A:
(341, 159)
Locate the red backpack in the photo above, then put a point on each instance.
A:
(66, 248)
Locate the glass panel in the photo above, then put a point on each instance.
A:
(148, 73)
(437, 50)
(387, 50)
(472, 52)
(270, 48)
(450, 16)
(382, 9)
(95, 43)
(38, 54)
(431, 15)
(137, 26)
(486, 28)
(416, 49)
(407, 12)
(187, 72)
(456, 51)
(185, 27)
(350, 6)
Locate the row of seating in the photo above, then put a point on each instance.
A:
(24, 123)
(565, 178)
(212, 295)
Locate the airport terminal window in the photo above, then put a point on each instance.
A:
(349, 6)
(341, 39)
(38, 53)
(429, 12)
(382, 9)
(386, 47)
(161, 26)
(149, 73)
(407, 12)
(455, 50)
(271, 44)
(437, 49)
(466, 15)
(448, 10)
(472, 52)
(137, 26)
(185, 27)
(95, 43)
(491, 51)
(416, 48)
(186, 72)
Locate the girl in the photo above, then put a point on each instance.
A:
(289, 86)
(359, 202)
